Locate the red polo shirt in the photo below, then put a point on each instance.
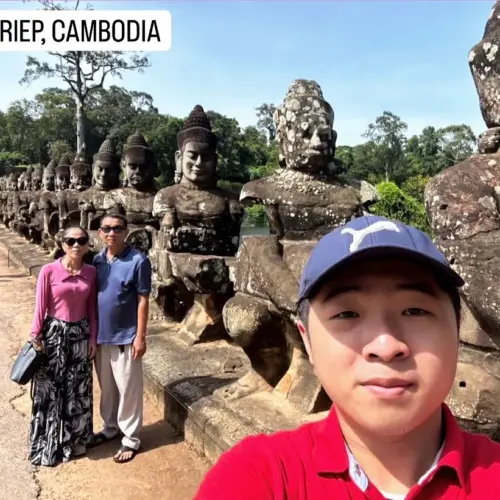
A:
(312, 463)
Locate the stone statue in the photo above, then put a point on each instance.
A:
(200, 224)
(35, 212)
(80, 178)
(105, 176)
(13, 200)
(303, 200)
(25, 194)
(136, 200)
(196, 215)
(48, 203)
(463, 206)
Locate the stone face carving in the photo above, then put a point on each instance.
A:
(105, 177)
(303, 200)
(463, 204)
(196, 215)
(136, 200)
(200, 225)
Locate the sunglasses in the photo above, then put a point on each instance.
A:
(82, 241)
(115, 229)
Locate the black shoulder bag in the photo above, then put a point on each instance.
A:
(27, 364)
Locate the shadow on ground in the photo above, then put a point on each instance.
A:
(153, 436)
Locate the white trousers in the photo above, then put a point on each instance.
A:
(122, 393)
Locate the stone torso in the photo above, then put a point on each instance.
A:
(203, 219)
(138, 205)
(301, 207)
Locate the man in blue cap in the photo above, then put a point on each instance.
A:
(379, 310)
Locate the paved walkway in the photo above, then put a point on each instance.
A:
(167, 468)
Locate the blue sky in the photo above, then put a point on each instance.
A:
(408, 57)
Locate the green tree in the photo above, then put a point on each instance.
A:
(396, 204)
(387, 133)
(83, 72)
(265, 120)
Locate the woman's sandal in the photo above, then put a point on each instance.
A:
(100, 438)
(125, 449)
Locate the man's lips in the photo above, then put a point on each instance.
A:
(388, 388)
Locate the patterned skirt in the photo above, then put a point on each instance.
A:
(61, 419)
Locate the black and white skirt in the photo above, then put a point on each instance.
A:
(61, 420)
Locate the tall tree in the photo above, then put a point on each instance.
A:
(388, 134)
(83, 72)
(265, 120)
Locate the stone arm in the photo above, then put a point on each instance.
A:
(170, 220)
(275, 223)
(62, 207)
(87, 213)
(236, 211)
(278, 282)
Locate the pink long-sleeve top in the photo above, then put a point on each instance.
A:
(65, 296)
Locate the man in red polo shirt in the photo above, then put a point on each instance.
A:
(379, 314)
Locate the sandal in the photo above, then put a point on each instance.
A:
(124, 449)
(100, 438)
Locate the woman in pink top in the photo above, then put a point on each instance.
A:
(65, 327)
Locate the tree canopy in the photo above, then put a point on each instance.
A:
(36, 130)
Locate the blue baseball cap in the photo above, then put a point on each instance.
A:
(372, 236)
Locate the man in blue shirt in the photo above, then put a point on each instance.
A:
(124, 285)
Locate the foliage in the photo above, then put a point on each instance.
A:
(33, 131)
(84, 73)
(256, 215)
(396, 204)
(415, 186)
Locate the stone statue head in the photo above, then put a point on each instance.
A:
(196, 158)
(36, 178)
(63, 172)
(12, 183)
(106, 168)
(28, 178)
(49, 176)
(139, 163)
(80, 173)
(21, 181)
(304, 128)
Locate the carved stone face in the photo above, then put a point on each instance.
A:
(106, 175)
(48, 181)
(13, 183)
(79, 181)
(198, 162)
(62, 181)
(36, 183)
(138, 171)
(306, 138)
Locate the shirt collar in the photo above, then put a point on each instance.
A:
(331, 455)
(104, 253)
(67, 274)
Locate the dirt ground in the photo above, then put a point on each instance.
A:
(166, 468)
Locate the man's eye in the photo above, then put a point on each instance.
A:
(414, 311)
(346, 315)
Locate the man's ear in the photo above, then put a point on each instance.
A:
(305, 337)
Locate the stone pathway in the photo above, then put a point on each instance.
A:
(167, 468)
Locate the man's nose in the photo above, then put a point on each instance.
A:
(387, 345)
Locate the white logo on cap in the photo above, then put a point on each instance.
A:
(358, 235)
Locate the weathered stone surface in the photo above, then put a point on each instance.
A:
(471, 333)
(484, 61)
(474, 399)
(462, 206)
